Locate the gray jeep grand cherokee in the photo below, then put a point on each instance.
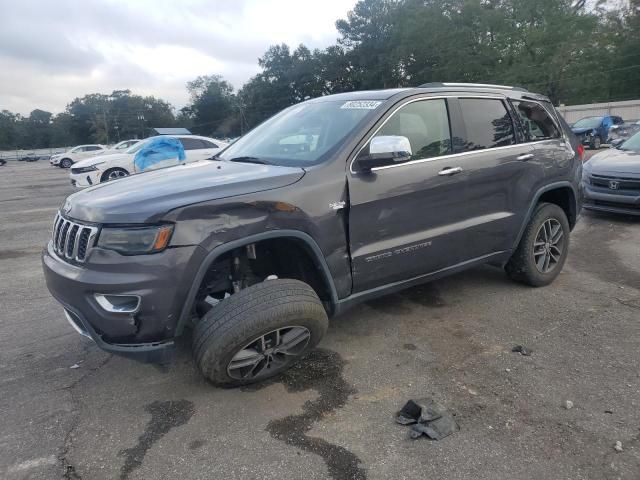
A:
(329, 203)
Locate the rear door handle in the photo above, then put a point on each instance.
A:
(450, 171)
(525, 156)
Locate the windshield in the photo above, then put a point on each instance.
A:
(589, 122)
(301, 135)
(632, 144)
(138, 146)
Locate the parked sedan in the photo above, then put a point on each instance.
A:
(594, 131)
(68, 158)
(611, 179)
(122, 146)
(150, 154)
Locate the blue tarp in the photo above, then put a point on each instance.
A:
(159, 150)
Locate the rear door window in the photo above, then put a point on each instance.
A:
(208, 144)
(192, 144)
(535, 121)
(487, 124)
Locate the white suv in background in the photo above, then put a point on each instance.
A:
(68, 158)
(112, 166)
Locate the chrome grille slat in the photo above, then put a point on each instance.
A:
(71, 240)
(70, 244)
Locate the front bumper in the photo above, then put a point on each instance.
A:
(83, 180)
(586, 139)
(54, 161)
(161, 280)
(599, 199)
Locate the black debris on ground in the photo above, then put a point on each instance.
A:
(426, 417)
(522, 350)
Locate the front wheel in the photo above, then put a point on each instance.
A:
(113, 174)
(596, 143)
(258, 332)
(543, 248)
(66, 163)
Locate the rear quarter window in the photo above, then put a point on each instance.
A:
(535, 121)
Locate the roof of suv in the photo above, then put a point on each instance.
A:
(433, 87)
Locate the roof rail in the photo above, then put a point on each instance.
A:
(476, 85)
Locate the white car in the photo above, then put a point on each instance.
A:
(121, 146)
(68, 158)
(110, 167)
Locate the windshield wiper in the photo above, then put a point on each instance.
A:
(249, 160)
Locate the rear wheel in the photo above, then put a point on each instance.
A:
(543, 248)
(113, 174)
(258, 332)
(596, 143)
(66, 163)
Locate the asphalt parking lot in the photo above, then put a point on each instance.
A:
(69, 410)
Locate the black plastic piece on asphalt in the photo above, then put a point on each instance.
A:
(522, 350)
(428, 418)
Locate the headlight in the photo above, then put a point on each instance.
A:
(91, 168)
(135, 240)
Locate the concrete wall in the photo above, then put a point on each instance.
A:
(628, 110)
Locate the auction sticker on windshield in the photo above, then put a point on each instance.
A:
(361, 104)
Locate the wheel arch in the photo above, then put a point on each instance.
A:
(562, 194)
(304, 239)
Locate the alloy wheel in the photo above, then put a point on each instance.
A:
(548, 246)
(116, 174)
(270, 352)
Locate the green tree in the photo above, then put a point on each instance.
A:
(213, 105)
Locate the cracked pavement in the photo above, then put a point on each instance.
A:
(332, 416)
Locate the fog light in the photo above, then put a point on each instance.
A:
(118, 303)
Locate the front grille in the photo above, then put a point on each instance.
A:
(71, 240)
(621, 183)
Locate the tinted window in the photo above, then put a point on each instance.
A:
(92, 148)
(208, 144)
(535, 121)
(425, 124)
(618, 121)
(192, 143)
(487, 124)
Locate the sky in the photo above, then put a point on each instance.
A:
(53, 51)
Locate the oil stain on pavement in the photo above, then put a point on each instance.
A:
(592, 253)
(321, 370)
(164, 417)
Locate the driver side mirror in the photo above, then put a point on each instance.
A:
(385, 150)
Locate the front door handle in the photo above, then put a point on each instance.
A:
(450, 171)
(525, 156)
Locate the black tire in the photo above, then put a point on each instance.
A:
(66, 163)
(522, 266)
(120, 172)
(260, 310)
(596, 143)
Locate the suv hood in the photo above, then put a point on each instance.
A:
(147, 197)
(615, 161)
